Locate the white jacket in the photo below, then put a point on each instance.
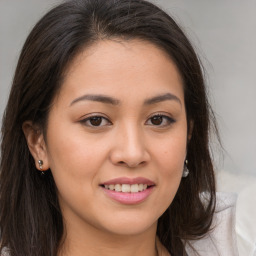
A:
(221, 240)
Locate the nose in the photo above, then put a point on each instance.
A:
(129, 148)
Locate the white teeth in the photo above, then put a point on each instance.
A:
(118, 187)
(126, 188)
(141, 187)
(134, 188)
(111, 187)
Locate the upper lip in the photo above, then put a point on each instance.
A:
(130, 181)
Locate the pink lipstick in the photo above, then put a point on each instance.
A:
(128, 190)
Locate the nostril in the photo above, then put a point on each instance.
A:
(132, 165)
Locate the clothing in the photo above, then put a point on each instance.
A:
(246, 220)
(221, 240)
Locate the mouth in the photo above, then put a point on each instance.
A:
(127, 188)
(128, 191)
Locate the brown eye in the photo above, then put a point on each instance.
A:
(160, 120)
(157, 120)
(96, 120)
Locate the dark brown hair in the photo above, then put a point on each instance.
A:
(30, 218)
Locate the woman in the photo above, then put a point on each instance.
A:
(105, 137)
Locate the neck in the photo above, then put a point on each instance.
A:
(92, 241)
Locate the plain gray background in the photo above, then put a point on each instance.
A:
(224, 35)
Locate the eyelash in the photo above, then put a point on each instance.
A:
(90, 118)
(164, 118)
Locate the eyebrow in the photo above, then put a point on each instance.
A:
(114, 101)
(162, 97)
(98, 98)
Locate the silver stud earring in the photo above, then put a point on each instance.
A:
(40, 162)
(185, 170)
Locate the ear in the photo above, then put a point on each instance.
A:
(36, 144)
(190, 129)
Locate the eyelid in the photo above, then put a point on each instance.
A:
(164, 115)
(87, 117)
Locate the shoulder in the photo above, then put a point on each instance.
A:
(221, 239)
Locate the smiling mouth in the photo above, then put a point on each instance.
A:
(127, 188)
(128, 191)
(128, 194)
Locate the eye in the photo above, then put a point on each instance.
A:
(160, 120)
(95, 121)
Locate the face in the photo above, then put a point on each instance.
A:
(116, 137)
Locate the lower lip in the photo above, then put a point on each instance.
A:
(129, 198)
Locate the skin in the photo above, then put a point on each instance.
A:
(127, 143)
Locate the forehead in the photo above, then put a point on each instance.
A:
(116, 66)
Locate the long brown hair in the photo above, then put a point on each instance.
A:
(30, 217)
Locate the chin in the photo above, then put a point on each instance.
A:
(130, 225)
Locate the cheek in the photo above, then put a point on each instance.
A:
(172, 163)
(73, 156)
(170, 156)
(171, 152)
(75, 162)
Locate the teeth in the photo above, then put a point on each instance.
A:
(111, 187)
(118, 187)
(126, 188)
(135, 188)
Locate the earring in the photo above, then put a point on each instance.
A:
(185, 169)
(40, 162)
